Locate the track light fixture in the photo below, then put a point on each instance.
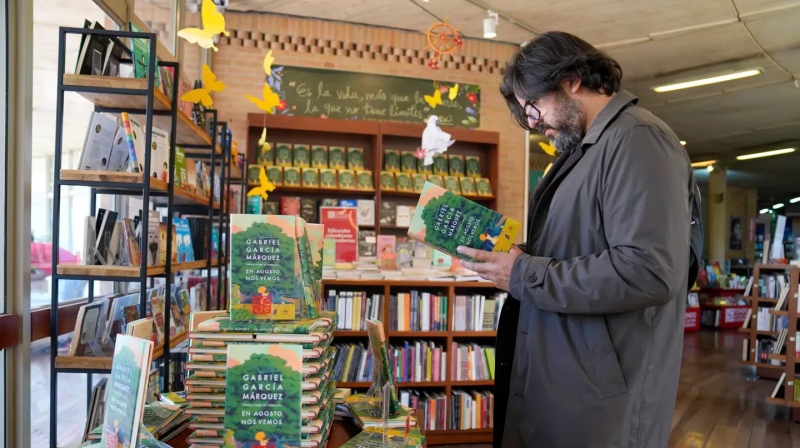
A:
(490, 25)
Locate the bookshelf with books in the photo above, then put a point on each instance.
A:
(361, 161)
(441, 347)
(133, 119)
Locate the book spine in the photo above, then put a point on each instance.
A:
(126, 123)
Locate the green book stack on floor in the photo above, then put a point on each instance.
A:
(254, 381)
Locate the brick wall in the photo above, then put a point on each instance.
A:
(338, 46)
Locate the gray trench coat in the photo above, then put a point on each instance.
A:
(588, 355)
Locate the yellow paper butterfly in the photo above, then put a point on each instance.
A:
(203, 94)
(434, 100)
(213, 24)
(453, 92)
(268, 103)
(548, 148)
(268, 60)
(265, 188)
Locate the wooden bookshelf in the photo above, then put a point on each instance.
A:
(445, 338)
(788, 359)
(104, 362)
(374, 137)
(128, 271)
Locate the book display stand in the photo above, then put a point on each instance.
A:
(137, 97)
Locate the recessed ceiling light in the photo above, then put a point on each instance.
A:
(706, 81)
(703, 164)
(794, 200)
(778, 205)
(683, 142)
(763, 210)
(765, 154)
(710, 168)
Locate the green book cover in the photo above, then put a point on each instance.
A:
(224, 324)
(327, 178)
(440, 165)
(473, 166)
(181, 175)
(302, 155)
(422, 168)
(483, 186)
(266, 276)
(253, 205)
(253, 174)
(271, 208)
(452, 184)
(391, 160)
(380, 355)
(404, 182)
(307, 265)
(275, 175)
(456, 165)
(355, 159)
(468, 186)
(408, 162)
(347, 179)
(319, 156)
(283, 154)
(388, 181)
(436, 180)
(310, 177)
(140, 53)
(337, 158)
(127, 389)
(364, 178)
(316, 236)
(444, 221)
(265, 155)
(263, 399)
(291, 176)
(418, 182)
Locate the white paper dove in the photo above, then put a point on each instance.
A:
(434, 140)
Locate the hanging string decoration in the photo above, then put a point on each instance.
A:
(213, 24)
(443, 39)
(269, 99)
(202, 94)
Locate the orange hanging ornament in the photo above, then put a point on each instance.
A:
(443, 39)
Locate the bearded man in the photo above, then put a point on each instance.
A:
(589, 348)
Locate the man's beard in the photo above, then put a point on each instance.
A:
(568, 124)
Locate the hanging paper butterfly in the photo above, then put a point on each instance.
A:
(213, 24)
(265, 187)
(203, 94)
(268, 102)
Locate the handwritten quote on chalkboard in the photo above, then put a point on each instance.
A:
(360, 96)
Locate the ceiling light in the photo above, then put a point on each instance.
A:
(683, 142)
(710, 168)
(706, 81)
(490, 25)
(778, 205)
(703, 164)
(765, 154)
(763, 210)
(793, 200)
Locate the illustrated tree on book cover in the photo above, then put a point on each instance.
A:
(119, 415)
(382, 373)
(263, 396)
(255, 273)
(449, 222)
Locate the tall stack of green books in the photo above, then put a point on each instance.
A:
(224, 403)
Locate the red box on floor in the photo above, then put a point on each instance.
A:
(692, 320)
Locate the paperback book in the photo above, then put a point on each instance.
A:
(445, 220)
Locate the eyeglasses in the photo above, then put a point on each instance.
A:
(532, 112)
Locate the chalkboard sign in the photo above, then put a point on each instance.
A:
(360, 96)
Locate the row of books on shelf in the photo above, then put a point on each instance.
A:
(767, 322)
(98, 323)
(353, 308)
(304, 155)
(466, 409)
(415, 361)
(112, 242)
(771, 286)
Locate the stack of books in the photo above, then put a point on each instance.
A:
(218, 403)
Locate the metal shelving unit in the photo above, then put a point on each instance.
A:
(138, 97)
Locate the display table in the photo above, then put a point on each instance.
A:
(342, 431)
(724, 316)
(691, 322)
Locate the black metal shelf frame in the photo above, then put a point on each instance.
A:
(118, 188)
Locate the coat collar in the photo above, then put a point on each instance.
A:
(620, 101)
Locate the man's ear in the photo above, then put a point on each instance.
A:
(571, 85)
